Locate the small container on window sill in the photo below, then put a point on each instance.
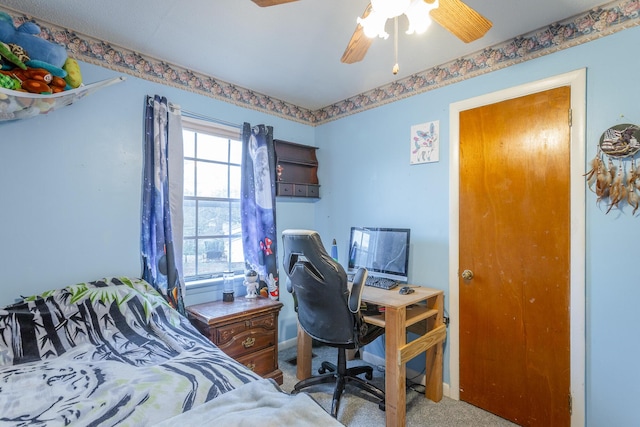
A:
(227, 292)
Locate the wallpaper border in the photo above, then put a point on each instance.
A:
(582, 28)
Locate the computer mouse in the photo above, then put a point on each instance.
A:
(405, 290)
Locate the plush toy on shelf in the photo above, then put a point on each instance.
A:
(40, 66)
(74, 76)
(9, 82)
(36, 80)
(42, 53)
(12, 60)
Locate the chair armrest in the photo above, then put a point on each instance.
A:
(356, 289)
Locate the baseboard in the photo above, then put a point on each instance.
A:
(286, 344)
(416, 377)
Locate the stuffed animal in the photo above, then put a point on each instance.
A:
(272, 285)
(8, 56)
(251, 282)
(9, 82)
(42, 53)
(35, 80)
(74, 76)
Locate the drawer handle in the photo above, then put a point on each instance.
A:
(249, 342)
(251, 366)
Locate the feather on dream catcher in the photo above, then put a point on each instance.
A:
(613, 177)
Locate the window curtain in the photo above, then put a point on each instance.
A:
(258, 207)
(162, 193)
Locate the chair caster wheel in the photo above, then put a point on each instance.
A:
(381, 406)
(321, 370)
(368, 376)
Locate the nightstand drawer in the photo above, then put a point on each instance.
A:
(225, 333)
(261, 362)
(248, 341)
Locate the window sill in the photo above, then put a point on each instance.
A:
(203, 283)
(206, 290)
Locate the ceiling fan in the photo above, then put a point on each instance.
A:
(454, 15)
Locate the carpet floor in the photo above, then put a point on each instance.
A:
(360, 409)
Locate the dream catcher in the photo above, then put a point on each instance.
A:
(615, 174)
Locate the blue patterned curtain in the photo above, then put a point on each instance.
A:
(258, 209)
(162, 191)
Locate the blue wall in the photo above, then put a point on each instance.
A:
(367, 180)
(70, 185)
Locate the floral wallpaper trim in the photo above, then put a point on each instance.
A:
(582, 28)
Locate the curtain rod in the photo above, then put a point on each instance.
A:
(197, 116)
(191, 114)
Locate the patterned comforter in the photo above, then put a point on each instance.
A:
(105, 353)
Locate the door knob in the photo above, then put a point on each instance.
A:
(467, 275)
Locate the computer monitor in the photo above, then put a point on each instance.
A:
(384, 252)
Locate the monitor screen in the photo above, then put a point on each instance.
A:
(384, 252)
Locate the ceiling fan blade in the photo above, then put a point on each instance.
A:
(462, 21)
(359, 43)
(267, 3)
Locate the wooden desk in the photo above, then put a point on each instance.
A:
(421, 312)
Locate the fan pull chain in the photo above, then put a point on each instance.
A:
(396, 67)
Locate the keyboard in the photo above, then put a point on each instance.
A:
(381, 282)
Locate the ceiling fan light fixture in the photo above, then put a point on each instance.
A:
(390, 8)
(453, 15)
(373, 25)
(417, 12)
(418, 15)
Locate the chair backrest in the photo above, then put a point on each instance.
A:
(319, 285)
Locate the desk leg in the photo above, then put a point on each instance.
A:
(304, 355)
(435, 356)
(433, 376)
(395, 371)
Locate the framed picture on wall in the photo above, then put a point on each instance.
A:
(425, 142)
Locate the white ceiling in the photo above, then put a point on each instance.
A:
(290, 52)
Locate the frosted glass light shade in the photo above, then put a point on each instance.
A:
(419, 17)
(390, 8)
(373, 25)
(417, 12)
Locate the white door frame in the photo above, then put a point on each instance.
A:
(577, 81)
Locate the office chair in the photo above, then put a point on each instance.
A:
(328, 312)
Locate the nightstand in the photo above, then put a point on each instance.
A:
(245, 329)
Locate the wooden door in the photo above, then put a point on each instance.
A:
(515, 239)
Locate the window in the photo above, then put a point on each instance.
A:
(211, 207)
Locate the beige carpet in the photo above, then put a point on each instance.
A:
(359, 409)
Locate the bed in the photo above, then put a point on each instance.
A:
(114, 352)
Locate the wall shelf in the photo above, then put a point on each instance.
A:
(16, 105)
(296, 170)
